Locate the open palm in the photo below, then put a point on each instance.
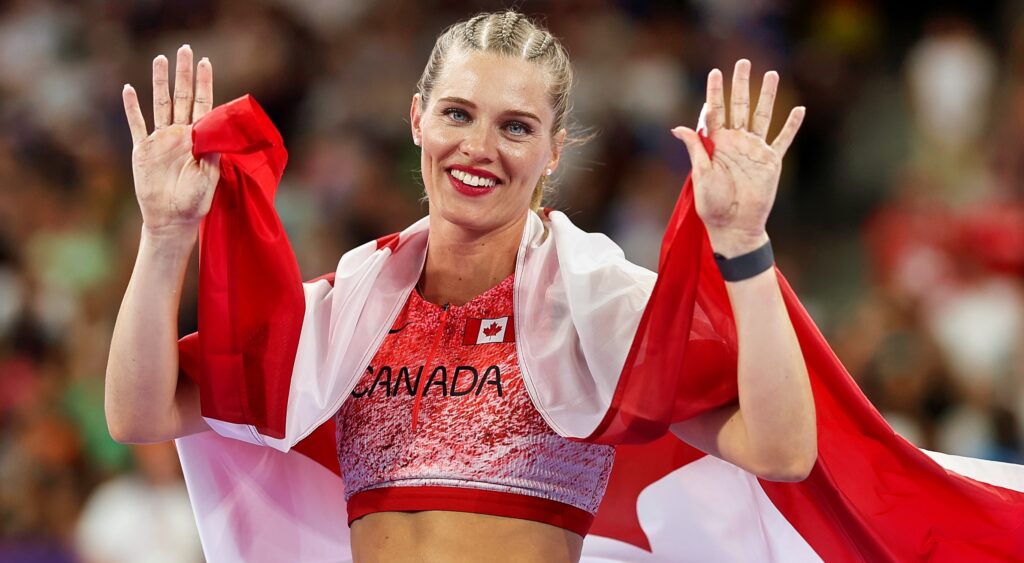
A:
(735, 188)
(173, 188)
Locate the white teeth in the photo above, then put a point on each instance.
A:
(471, 180)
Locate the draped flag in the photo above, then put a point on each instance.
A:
(274, 357)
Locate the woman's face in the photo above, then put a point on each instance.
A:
(486, 139)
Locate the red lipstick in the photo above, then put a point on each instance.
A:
(466, 189)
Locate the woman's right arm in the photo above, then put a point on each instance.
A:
(145, 400)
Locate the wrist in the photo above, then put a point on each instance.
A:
(733, 243)
(170, 239)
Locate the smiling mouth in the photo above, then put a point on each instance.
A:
(471, 180)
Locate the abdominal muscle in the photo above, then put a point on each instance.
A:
(456, 537)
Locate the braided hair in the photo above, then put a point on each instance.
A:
(510, 34)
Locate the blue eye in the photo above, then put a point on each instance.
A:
(456, 114)
(518, 128)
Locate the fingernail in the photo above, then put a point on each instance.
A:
(127, 86)
(204, 60)
(185, 46)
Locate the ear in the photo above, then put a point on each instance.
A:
(557, 144)
(415, 115)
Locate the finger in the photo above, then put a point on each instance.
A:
(699, 158)
(136, 123)
(715, 99)
(204, 89)
(740, 106)
(785, 138)
(183, 86)
(765, 103)
(161, 94)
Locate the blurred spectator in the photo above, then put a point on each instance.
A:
(41, 479)
(143, 517)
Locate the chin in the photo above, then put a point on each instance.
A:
(469, 217)
(487, 213)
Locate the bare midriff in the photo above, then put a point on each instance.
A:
(459, 537)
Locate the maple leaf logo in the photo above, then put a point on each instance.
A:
(492, 330)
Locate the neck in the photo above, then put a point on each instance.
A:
(462, 263)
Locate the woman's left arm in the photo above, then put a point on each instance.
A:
(772, 431)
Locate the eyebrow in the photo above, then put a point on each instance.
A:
(465, 102)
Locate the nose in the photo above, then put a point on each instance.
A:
(479, 144)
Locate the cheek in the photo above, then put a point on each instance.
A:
(438, 143)
(526, 162)
(434, 149)
(518, 153)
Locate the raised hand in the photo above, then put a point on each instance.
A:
(173, 188)
(734, 190)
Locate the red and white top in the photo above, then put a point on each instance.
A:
(475, 443)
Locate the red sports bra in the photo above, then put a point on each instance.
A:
(479, 445)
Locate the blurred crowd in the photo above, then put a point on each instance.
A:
(900, 219)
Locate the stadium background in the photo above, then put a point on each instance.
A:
(900, 219)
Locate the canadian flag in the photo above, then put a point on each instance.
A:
(488, 331)
(616, 359)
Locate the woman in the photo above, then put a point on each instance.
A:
(490, 118)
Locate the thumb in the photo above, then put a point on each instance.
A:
(210, 162)
(699, 158)
(209, 168)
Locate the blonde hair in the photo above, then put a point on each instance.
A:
(510, 34)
